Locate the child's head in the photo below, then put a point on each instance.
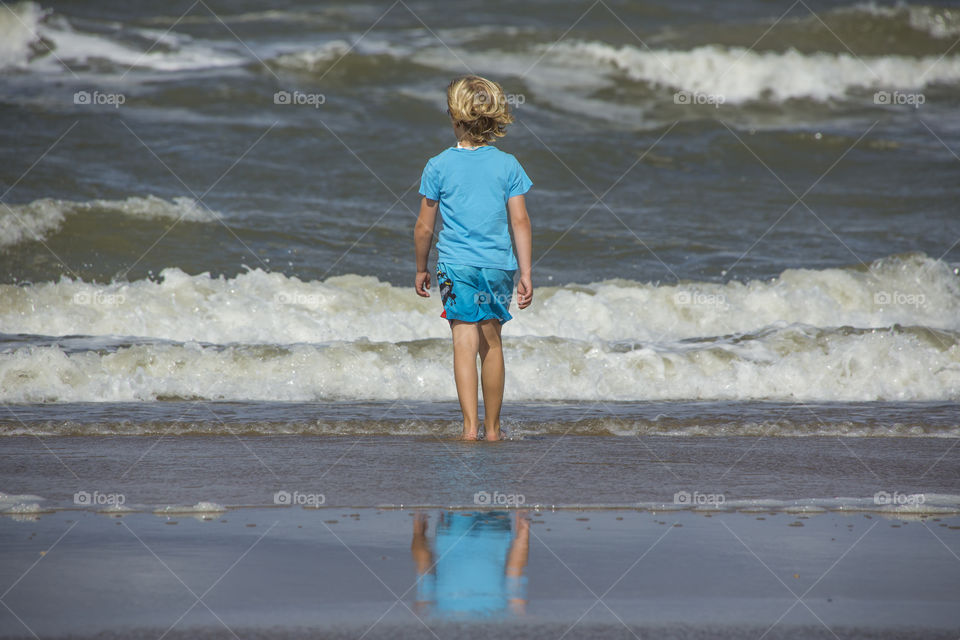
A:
(479, 106)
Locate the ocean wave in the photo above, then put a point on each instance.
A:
(40, 39)
(364, 58)
(939, 22)
(742, 75)
(317, 58)
(19, 39)
(791, 363)
(37, 219)
(257, 307)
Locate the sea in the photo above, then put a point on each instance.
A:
(746, 223)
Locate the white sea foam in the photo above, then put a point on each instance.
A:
(319, 58)
(939, 22)
(11, 500)
(315, 58)
(269, 308)
(38, 38)
(794, 363)
(18, 33)
(24, 509)
(890, 332)
(741, 75)
(37, 219)
(202, 507)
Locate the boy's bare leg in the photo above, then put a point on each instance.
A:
(491, 376)
(466, 344)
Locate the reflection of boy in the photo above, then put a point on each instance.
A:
(479, 563)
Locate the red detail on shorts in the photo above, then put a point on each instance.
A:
(444, 314)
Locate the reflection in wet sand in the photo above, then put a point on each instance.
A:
(475, 565)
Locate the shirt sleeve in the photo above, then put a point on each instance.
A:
(519, 182)
(430, 182)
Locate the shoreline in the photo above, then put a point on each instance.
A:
(906, 477)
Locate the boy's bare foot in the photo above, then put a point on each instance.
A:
(469, 435)
(491, 435)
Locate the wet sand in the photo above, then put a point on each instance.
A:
(290, 572)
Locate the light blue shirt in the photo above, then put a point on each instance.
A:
(472, 187)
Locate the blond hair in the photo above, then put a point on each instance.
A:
(480, 106)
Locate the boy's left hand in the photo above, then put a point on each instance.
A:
(422, 284)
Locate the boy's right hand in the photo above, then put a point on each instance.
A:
(524, 292)
(422, 284)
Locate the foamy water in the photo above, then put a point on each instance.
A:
(939, 22)
(39, 39)
(738, 74)
(38, 219)
(890, 332)
(269, 308)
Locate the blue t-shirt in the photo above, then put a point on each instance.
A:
(472, 187)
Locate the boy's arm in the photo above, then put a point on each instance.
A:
(523, 239)
(422, 235)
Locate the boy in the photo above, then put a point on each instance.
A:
(478, 190)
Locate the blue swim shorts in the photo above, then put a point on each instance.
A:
(472, 294)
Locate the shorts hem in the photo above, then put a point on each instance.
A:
(486, 317)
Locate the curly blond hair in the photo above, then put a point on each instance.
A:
(480, 106)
